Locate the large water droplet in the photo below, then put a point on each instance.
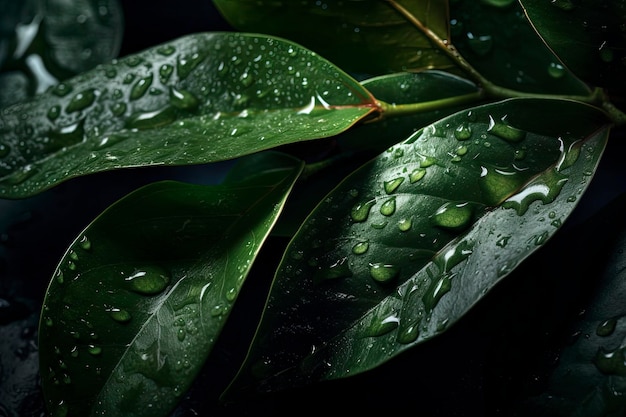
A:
(383, 325)
(360, 212)
(416, 175)
(148, 280)
(81, 101)
(148, 120)
(140, 88)
(544, 188)
(66, 136)
(463, 132)
(498, 184)
(382, 272)
(453, 216)
(119, 315)
(556, 70)
(388, 207)
(392, 185)
(405, 225)
(360, 248)
(339, 269)
(437, 289)
(183, 99)
(480, 45)
(165, 72)
(187, 63)
(411, 315)
(505, 131)
(607, 327)
(612, 362)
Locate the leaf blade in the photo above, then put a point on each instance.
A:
(161, 268)
(362, 261)
(194, 100)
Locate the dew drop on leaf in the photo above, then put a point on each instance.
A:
(392, 185)
(416, 175)
(81, 101)
(606, 328)
(454, 216)
(360, 248)
(119, 315)
(140, 88)
(505, 131)
(148, 120)
(150, 280)
(384, 325)
(388, 208)
(183, 99)
(463, 132)
(382, 272)
(360, 212)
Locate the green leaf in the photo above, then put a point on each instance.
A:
(42, 43)
(139, 299)
(587, 35)
(367, 36)
(202, 98)
(407, 244)
(497, 39)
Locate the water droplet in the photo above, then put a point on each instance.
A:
(49, 322)
(388, 207)
(59, 276)
(165, 72)
(382, 272)
(181, 334)
(427, 161)
(612, 362)
(411, 315)
(119, 315)
(383, 325)
(94, 350)
(463, 132)
(503, 241)
(166, 50)
(61, 410)
(54, 112)
(556, 70)
(461, 150)
(480, 45)
(66, 136)
(148, 120)
(405, 225)
(453, 256)
(544, 188)
(148, 280)
(62, 89)
(505, 131)
(437, 289)
(81, 101)
(340, 269)
(416, 175)
(453, 216)
(360, 212)
(246, 79)
(85, 243)
(20, 175)
(118, 109)
(541, 239)
(187, 63)
(606, 328)
(140, 88)
(392, 185)
(183, 99)
(360, 248)
(231, 294)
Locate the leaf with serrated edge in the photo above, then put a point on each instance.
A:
(409, 242)
(139, 299)
(202, 98)
(368, 37)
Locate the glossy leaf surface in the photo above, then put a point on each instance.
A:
(368, 37)
(406, 245)
(587, 35)
(139, 299)
(202, 98)
(497, 39)
(44, 42)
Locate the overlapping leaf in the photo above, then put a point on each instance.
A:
(497, 39)
(368, 37)
(587, 35)
(139, 299)
(202, 98)
(409, 243)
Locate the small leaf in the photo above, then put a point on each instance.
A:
(368, 37)
(588, 36)
(407, 244)
(202, 98)
(139, 299)
(497, 39)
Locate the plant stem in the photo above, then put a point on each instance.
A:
(392, 110)
(491, 90)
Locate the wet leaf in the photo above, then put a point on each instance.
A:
(497, 39)
(202, 98)
(589, 36)
(368, 37)
(42, 43)
(140, 297)
(407, 244)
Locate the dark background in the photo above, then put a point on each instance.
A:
(483, 366)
